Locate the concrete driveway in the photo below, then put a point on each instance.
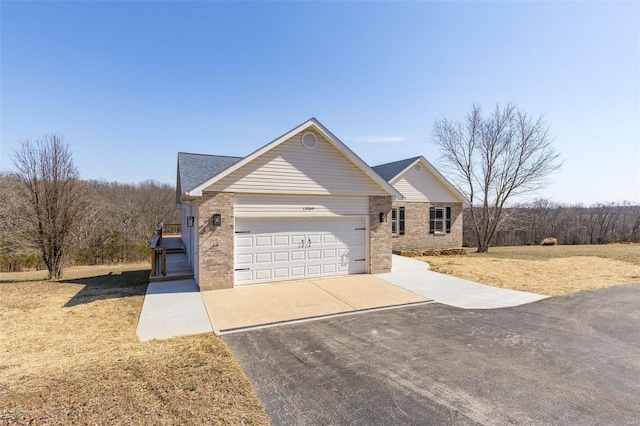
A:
(565, 360)
(267, 304)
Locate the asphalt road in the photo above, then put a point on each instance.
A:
(562, 361)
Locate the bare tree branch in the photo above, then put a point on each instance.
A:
(492, 159)
(53, 196)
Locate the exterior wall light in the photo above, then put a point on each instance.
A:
(190, 220)
(217, 219)
(383, 217)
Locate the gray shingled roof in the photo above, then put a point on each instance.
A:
(194, 169)
(390, 170)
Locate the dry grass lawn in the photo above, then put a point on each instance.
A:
(549, 270)
(69, 355)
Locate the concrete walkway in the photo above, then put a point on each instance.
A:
(171, 309)
(413, 275)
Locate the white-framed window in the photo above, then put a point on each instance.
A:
(397, 221)
(440, 220)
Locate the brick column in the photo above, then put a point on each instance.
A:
(215, 250)
(379, 234)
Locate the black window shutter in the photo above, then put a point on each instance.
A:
(448, 220)
(432, 220)
(394, 221)
(401, 220)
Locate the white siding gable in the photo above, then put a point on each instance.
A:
(290, 168)
(423, 187)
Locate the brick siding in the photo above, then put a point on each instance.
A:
(379, 234)
(416, 225)
(216, 242)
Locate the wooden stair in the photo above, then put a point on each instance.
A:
(177, 262)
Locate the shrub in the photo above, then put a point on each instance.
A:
(549, 241)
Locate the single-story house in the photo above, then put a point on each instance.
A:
(430, 214)
(304, 205)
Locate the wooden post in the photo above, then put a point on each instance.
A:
(153, 263)
(164, 261)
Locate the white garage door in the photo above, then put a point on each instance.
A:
(278, 250)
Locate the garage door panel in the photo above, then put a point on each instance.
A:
(244, 259)
(342, 267)
(330, 268)
(314, 239)
(314, 270)
(263, 274)
(330, 253)
(281, 273)
(297, 271)
(281, 240)
(314, 254)
(274, 250)
(263, 241)
(299, 240)
(281, 256)
(244, 241)
(297, 255)
(329, 239)
(263, 258)
(243, 277)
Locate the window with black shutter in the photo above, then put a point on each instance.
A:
(439, 220)
(397, 221)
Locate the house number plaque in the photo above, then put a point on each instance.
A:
(308, 208)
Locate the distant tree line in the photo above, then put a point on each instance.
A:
(117, 223)
(529, 224)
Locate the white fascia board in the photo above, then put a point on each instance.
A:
(443, 180)
(197, 191)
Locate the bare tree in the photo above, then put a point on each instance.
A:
(53, 196)
(492, 159)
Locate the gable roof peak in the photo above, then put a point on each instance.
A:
(390, 170)
(335, 141)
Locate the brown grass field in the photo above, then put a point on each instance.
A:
(69, 355)
(549, 270)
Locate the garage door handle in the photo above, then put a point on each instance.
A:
(309, 243)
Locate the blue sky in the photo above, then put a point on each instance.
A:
(129, 84)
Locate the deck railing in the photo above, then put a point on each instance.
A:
(158, 252)
(171, 228)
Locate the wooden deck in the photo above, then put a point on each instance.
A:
(177, 263)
